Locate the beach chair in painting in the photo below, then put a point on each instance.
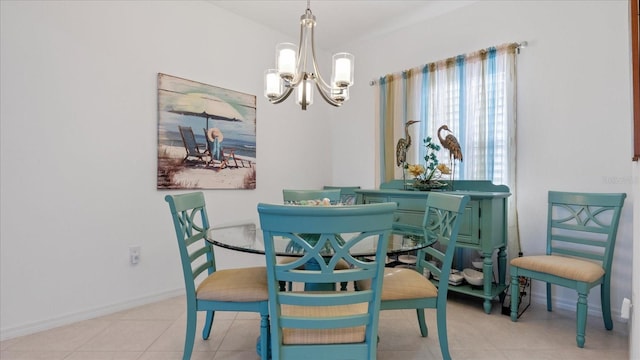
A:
(190, 144)
(217, 152)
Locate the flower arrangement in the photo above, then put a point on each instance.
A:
(313, 202)
(426, 176)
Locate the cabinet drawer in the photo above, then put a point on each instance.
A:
(412, 204)
(374, 199)
(411, 218)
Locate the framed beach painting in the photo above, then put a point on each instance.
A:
(206, 136)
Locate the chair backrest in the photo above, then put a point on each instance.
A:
(191, 224)
(343, 227)
(347, 193)
(289, 195)
(189, 140)
(584, 225)
(441, 222)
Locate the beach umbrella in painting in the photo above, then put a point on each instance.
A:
(205, 106)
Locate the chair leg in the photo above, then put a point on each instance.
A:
(442, 333)
(265, 340)
(581, 319)
(208, 324)
(549, 306)
(424, 331)
(515, 294)
(190, 333)
(343, 286)
(605, 300)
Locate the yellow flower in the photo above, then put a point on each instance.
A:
(444, 169)
(416, 169)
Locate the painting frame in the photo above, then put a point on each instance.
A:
(206, 136)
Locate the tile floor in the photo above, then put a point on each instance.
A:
(156, 332)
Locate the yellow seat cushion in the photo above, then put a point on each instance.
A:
(238, 285)
(341, 265)
(562, 266)
(403, 284)
(323, 336)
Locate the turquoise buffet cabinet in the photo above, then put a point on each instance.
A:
(484, 227)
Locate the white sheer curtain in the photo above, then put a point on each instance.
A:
(474, 95)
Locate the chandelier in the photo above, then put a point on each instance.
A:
(297, 70)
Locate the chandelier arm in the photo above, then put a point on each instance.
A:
(325, 97)
(296, 80)
(299, 75)
(315, 65)
(282, 97)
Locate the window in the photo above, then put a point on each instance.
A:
(473, 95)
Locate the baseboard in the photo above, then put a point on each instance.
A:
(10, 333)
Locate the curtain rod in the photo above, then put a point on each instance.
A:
(519, 45)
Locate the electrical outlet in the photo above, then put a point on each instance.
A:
(134, 254)
(626, 309)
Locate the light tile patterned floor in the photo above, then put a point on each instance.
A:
(156, 332)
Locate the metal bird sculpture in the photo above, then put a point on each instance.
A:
(403, 144)
(450, 143)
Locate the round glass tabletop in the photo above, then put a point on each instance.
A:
(248, 238)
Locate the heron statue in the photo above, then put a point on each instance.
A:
(450, 143)
(404, 144)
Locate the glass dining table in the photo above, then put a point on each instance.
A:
(247, 237)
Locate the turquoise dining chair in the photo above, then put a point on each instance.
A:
(296, 196)
(348, 194)
(290, 195)
(325, 324)
(581, 237)
(405, 288)
(243, 290)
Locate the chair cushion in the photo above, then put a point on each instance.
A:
(239, 285)
(323, 336)
(403, 284)
(562, 266)
(341, 265)
(286, 259)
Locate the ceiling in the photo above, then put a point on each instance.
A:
(339, 22)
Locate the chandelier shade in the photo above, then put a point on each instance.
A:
(305, 93)
(297, 69)
(342, 75)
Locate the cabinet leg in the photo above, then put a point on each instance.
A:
(487, 270)
(502, 265)
(487, 306)
(502, 271)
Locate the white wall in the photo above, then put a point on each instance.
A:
(574, 119)
(78, 148)
(634, 322)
